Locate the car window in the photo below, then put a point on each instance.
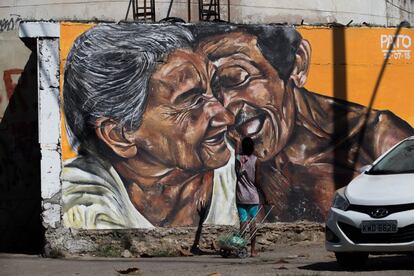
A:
(399, 160)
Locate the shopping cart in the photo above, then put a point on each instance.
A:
(234, 243)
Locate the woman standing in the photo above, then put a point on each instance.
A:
(247, 195)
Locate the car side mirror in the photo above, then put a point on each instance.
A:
(365, 168)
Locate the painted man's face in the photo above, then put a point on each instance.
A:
(249, 87)
(183, 124)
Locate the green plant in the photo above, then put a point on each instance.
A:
(108, 251)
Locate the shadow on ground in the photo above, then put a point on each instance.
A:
(375, 263)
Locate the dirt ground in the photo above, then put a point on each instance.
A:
(291, 259)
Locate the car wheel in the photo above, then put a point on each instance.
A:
(351, 260)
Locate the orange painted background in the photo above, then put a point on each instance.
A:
(364, 50)
(364, 60)
(68, 33)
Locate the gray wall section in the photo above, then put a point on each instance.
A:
(381, 12)
(13, 55)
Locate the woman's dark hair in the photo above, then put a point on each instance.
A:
(247, 146)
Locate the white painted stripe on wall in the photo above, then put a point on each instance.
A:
(39, 29)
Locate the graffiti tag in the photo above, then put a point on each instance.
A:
(400, 46)
(9, 24)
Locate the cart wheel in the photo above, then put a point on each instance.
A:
(224, 253)
(242, 253)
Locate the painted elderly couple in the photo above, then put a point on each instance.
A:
(156, 110)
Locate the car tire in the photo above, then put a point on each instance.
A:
(351, 260)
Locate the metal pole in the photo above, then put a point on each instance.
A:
(200, 5)
(228, 10)
(153, 10)
(169, 8)
(209, 10)
(129, 6)
(189, 10)
(145, 10)
(134, 9)
(218, 9)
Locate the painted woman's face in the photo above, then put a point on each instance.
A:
(184, 124)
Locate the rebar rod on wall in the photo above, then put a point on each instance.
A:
(142, 12)
(189, 10)
(228, 10)
(209, 10)
(169, 8)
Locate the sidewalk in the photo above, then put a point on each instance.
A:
(294, 259)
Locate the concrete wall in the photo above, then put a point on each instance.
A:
(13, 57)
(379, 12)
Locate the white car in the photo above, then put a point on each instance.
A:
(375, 212)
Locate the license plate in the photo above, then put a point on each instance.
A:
(375, 227)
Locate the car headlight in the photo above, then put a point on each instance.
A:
(340, 202)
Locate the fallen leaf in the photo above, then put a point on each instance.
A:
(304, 255)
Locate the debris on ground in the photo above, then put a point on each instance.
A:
(304, 255)
(130, 271)
(126, 254)
(282, 261)
(185, 252)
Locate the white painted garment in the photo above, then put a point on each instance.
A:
(223, 209)
(94, 196)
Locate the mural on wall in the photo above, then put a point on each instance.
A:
(154, 112)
